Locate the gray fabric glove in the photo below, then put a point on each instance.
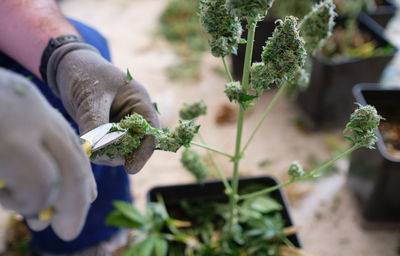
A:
(95, 92)
(42, 162)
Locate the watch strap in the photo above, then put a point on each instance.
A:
(52, 45)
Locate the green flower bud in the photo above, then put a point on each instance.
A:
(284, 52)
(253, 10)
(260, 77)
(317, 26)
(224, 28)
(189, 112)
(181, 136)
(299, 82)
(192, 162)
(234, 91)
(295, 170)
(362, 123)
(137, 128)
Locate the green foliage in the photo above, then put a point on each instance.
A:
(151, 228)
(297, 8)
(295, 170)
(195, 165)
(257, 232)
(192, 111)
(317, 26)
(284, 52)
(362, 123)
(224, 28)
(252, 10)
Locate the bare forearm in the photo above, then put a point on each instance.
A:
(26, 27)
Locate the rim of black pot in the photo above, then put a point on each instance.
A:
(366, 23)
(358, 95)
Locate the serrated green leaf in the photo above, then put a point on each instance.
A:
(117, 219)
(160, 247)
(129, 211)
(128, 76)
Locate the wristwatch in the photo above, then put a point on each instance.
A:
(52, 45)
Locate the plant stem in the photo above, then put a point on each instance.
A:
(308, 175)
(216, 166)
(251, 29)
(328, 164)
(245, 84)
(211, 149)
(266, 113)
(228, 72)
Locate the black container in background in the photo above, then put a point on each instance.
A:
(264, 30)
(328, 101)
(215, 192)
(384, 13)
(374, 175)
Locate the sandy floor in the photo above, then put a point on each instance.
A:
(131, 29)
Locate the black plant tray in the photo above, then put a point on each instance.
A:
(214, 192)
(374, 175)
(384, 12)
(328, 101)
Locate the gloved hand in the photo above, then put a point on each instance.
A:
(95, 92)
(42, 162)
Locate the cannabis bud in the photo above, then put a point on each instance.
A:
(224, 28)
(181, 136)
(189, 112)
(253, 10)
(317, 26)
(233, 91)
(295, 170)
(137, 127)
(299, 82)
(192, 162)
(283, 53)
(362, 123)
(260, 77)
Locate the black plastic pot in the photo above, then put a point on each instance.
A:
(374, 175)
(384, 12)
(328, 101)
(214, 192)
(263, 31)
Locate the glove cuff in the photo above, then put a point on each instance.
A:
(56, 49)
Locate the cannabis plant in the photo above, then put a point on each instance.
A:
(250, 222)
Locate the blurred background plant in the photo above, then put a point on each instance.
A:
(179, 25)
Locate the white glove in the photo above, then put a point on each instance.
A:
(42, 162)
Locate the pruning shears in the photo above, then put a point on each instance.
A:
(99, 138)
(91, 141)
